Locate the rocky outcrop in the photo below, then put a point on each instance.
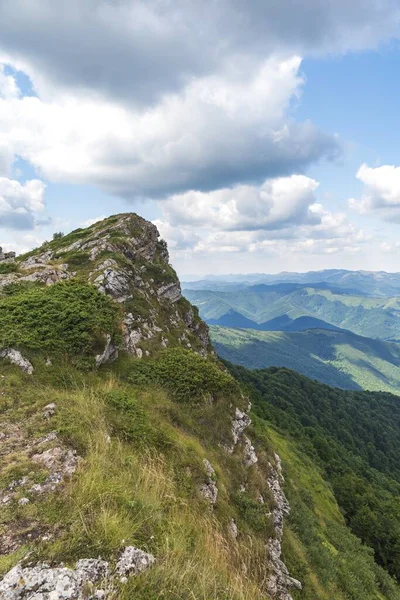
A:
(209, 489)
(240, 422)
(15, 357)
(133, 561)
(249, 453)
(125, 259)
(110, 353)
(6, 256)
(279, 580)
(91, 578)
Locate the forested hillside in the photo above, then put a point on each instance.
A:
(355, 439)
(338, 358)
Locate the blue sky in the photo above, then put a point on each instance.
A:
(264, 140)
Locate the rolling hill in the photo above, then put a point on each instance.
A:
(337, 358)
(370, 317)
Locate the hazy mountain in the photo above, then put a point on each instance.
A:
(366, 316)
(366, 283)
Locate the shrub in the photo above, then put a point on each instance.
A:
(8, 267)
(68, 318)
(185, 375)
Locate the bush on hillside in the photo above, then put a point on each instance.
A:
(187, 376)
(67, 318)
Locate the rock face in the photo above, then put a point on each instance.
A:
(279, 581)
(6, 256)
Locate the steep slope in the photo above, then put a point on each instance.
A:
(353, 436)
(371, 317)
(129, 464)
(338, 358)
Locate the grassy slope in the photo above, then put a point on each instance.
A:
(337, 358)
(139, 487)
(371, 317)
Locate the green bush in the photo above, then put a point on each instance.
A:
(8, 267)
(67, 318)
(187, 376)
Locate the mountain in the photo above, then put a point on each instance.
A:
(370, 317)
(282, 323)
(364, 283)
(132, 467)
(338, 358)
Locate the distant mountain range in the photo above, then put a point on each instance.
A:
(282, 323)
(269, 307)
(366, 283)
(338, 358)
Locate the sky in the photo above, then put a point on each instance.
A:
(258, 137)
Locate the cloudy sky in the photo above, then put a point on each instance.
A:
(259, 136)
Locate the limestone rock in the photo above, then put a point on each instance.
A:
(109, 354)
(239, 424)
(16, 358)
(133, 561)
(44, 583)
(209, 490)
(249, 453)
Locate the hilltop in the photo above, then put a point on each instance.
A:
(132, 462)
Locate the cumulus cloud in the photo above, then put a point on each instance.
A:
(276, 204)
(381, 193)
(19, 203)
(280, 216)
(142, 50)
(220, 130)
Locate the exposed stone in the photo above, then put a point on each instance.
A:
(109, 354)
(133, 561)
(23, 501)
(279, 580)
(239, 424)
(49, 410)
(42, 582)
(16, 358)
(171, 291)
(249, 453)
(209, 490)
(232, 528)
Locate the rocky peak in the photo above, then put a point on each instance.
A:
(125, 259)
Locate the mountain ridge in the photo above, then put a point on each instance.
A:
(132, 463)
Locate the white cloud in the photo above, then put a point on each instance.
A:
(280, 217)
(20, 203)
(273, 205)
(381, 193)
(220, 130)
